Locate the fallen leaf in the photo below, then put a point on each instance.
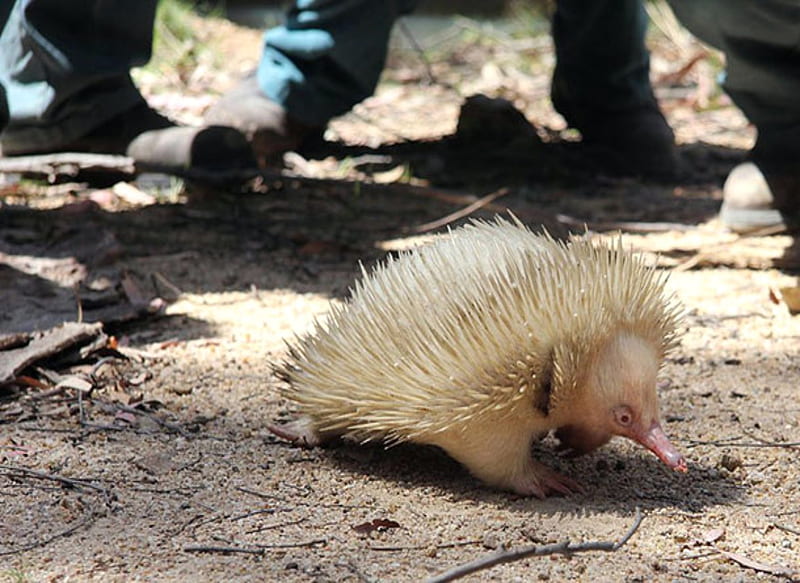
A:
(758, 566)
(132, 195)
(713, 535)
(74, 382)
(138, 379)
(378, 523)
(786, 295)
(774, 296)
(390, 176)
(125, 416)
(133, 291)
(105, 198)
(31, 382)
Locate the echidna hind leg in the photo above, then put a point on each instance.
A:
(301, 431)
(499, 453)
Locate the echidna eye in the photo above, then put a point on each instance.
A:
(623, 415)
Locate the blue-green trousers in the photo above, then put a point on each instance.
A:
(64, 66)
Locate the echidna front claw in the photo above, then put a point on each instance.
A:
(541, 481)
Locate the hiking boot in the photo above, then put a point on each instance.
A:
(636, 141)
(155, 142)
(760, 201)
(267, 125)
(633, 140)
(764, 193)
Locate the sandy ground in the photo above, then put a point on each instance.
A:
(160, 496)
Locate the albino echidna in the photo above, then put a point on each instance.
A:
(485, 340)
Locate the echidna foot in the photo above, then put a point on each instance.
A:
(541, 481)
(300, 432)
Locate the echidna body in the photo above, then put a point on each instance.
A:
(485, 340)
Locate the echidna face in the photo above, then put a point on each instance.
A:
(620, 399)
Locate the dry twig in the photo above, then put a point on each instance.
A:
(258, 550)
(627, 226)
(88, 519)
(564, 548)
(731, 442)
(465, 543)
(221, 549)
(460, 214)
(71, 482)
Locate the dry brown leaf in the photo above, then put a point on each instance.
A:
(378, 523)
(31, 382)
(758, 566)
(75, 382)
(791, 297)
(133, 291)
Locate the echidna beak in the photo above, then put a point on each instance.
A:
(657, 441)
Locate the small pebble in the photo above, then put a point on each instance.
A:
(730, 462)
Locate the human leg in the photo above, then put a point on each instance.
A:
(601, 81)
(64, 67)
(761, 42)
(324, 59)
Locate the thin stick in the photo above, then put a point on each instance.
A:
(723, 443)
(44, 542)
(72, 482)
(628, 226)
(78, 302)
(221, 549)
(465, 543)
(251, 551)
(271, 526)
(460, 214)
(295, 502)
(565, 548)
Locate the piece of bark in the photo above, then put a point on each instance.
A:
(71, 165)
(44, 345)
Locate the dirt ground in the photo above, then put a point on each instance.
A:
(161, 493)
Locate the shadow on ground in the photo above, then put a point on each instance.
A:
(611, 476)
(310, 234)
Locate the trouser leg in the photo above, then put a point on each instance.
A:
(328, 55)
(3, 109)
(601, 60)
(601, 86)
(761, 42)
(65, 66)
